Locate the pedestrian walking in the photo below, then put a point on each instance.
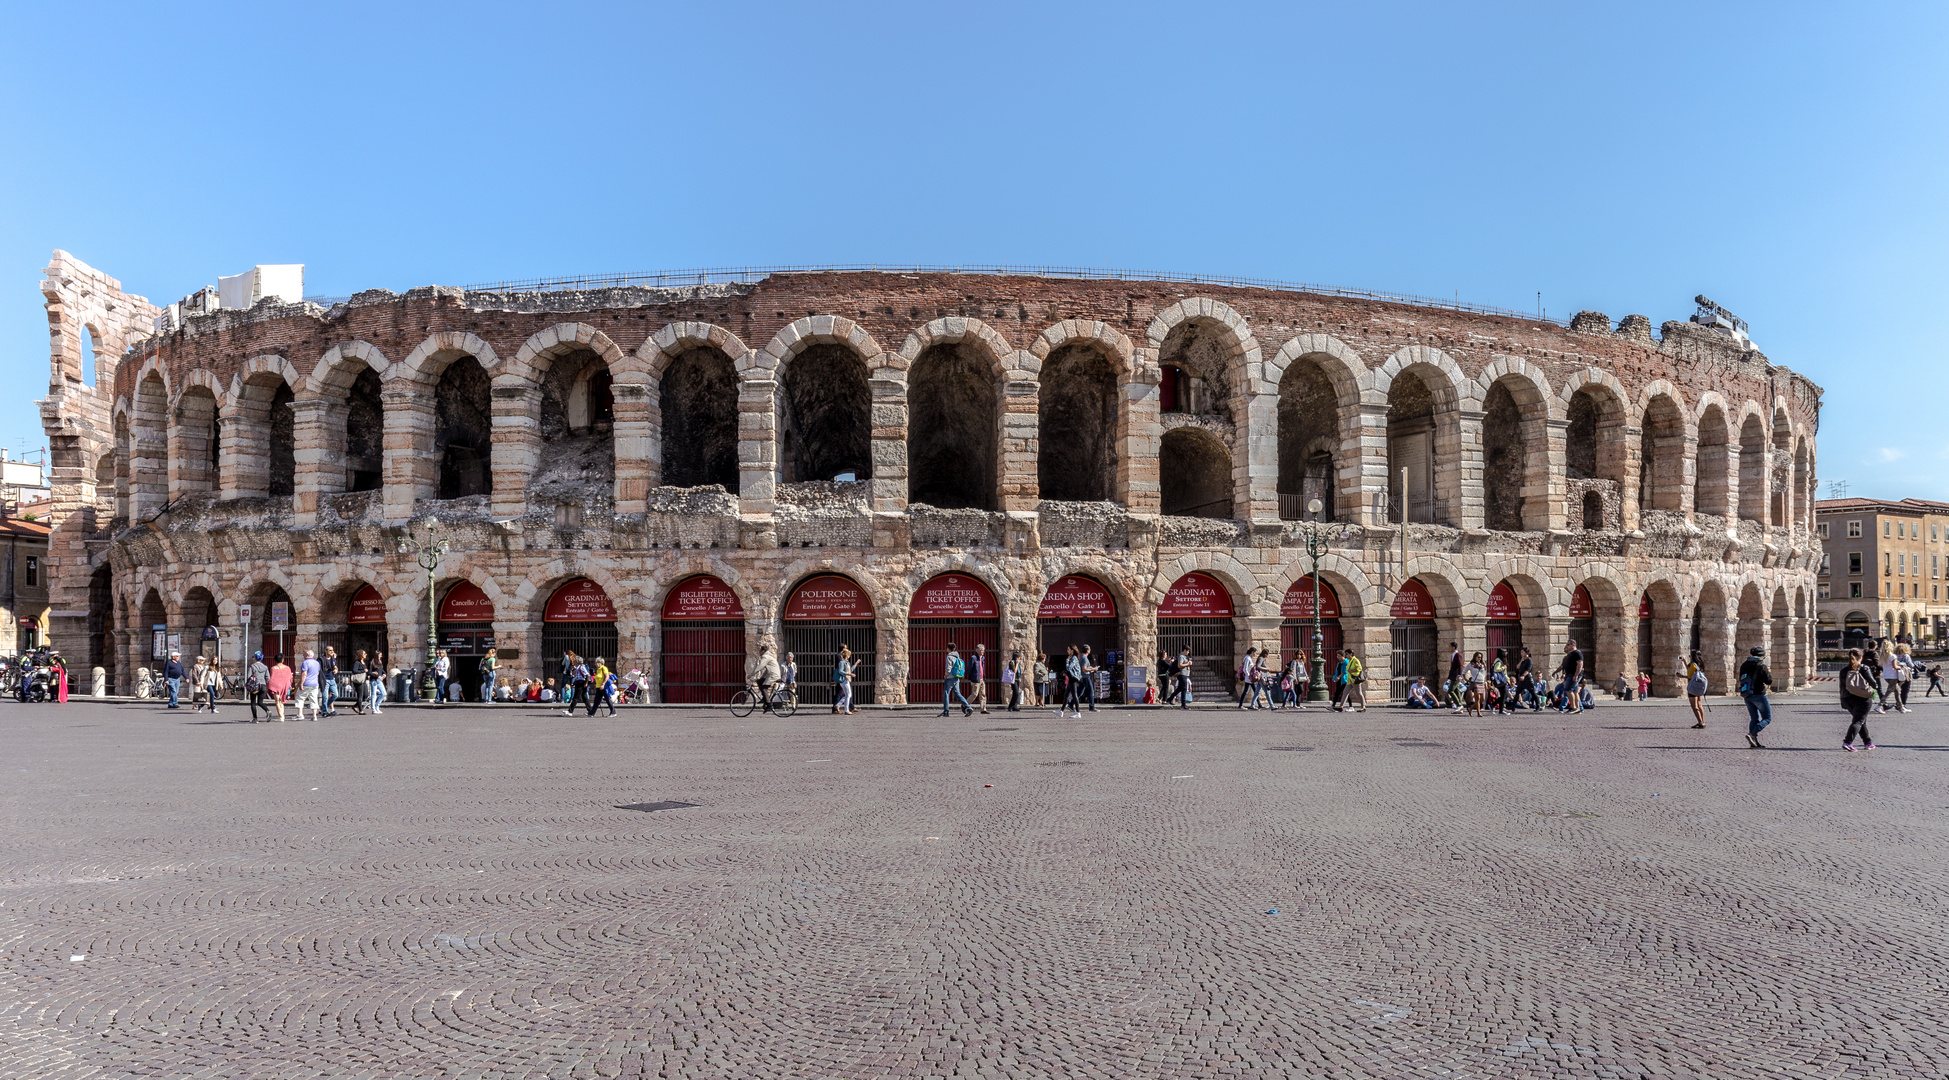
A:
(1454, 686)
(257, 683)
(1904, 672)
(842, 674)
(196, 682)
(979, 668)
(953, 670)
(376, 675)
(1754, 682)
(1012, 680)
(789, 672)
(355, 675)
(1183, 667)
(578, 680)
(602, 688)
(279, 684)
(442, 665)
(1573, 672)
(309, 683)
(1476, 679)
(1089, 678)
(1167, 677)
(1935, 681)
(1045, 681)
(1696, 685)
(1072, 683)
(172, 675)
(1356, 681)
(1248, 680)
(1857, 690)
(328, 681)
(210, 685)
(490, 673)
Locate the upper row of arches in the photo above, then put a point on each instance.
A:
(1193, 419)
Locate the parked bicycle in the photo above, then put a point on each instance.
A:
(783, 701)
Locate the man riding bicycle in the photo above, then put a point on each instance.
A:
(762, 673)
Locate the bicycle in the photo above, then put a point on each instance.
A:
(783, 702)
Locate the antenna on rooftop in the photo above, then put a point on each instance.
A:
(1837, 489)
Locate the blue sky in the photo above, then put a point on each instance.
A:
(1787, 160)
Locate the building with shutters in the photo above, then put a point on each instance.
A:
(670, 471)
(1883, 571)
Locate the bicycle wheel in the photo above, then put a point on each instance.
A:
(742, 703)
(784, 704)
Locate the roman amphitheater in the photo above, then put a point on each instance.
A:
(670, 474)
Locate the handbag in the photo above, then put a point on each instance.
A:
(1857, 684)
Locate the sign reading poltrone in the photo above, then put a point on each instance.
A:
(701, 598)
(829, 596)
(1073, 597)
(580, 600)
(954, 596)
(1298, 603)
(1196, 596)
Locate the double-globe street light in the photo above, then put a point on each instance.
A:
(429, 552)
(1315, 543)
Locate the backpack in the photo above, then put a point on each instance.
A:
(251, 685)
(1745, 683)
(1695, 687)
(956, 669)
(1857, 684)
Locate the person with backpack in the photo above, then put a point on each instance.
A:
(1754, 681)
(1012, 675)
(1356, 681)
(257, 682)
(1935, 681)
(1573, 671)
(1857, 690)
(1248, 680)
(578, 683)
(1183, 677)
(1695, 687)
(953, 670)
(603, 684)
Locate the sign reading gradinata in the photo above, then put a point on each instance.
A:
(703, 597)
(1073, 597)
(953, 596)
(1580, 606)
(580, 600)
(829, 596)
(1196, 596)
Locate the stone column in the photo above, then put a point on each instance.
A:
(319, 464)
(516, 446)
(1363, 466)
(412, 472)
(1018, 487)
(1633, 478)
(1458, 469)
(638, 464)
(1372, 638)
(1551, 487)
(757, 449)
(889, 445)
(1140, 437)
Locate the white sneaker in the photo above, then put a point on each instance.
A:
(1906, 709)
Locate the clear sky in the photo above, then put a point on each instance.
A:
(1785, 159)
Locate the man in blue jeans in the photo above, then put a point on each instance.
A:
(172, 673)
(953, 668)
(1754, 682)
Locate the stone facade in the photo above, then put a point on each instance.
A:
(547, 420)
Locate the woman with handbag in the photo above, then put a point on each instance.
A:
(1695, 687)
(1857, 690)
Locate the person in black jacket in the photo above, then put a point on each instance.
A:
(1754, 682)
(1857, 690)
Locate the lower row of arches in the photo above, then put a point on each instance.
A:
(702, 637)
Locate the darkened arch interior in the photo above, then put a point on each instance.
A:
(1309, 439)
(826, 429)
(463, 434)
(1076, 426)
(1195, 474)
(698, 400)
(951, 428)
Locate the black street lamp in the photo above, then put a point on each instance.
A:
(429, 552)
(1309, 532)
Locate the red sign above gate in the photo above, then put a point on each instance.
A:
(368, 608)
(1580, 603)
(702, 597)
(1503, 603)
(580, 600)
(954, 596)
(829, 596)
(466, 603)
(1196, 596)
(1644, 606)
(1298, 603)
(1077, 598)
(1413, 601)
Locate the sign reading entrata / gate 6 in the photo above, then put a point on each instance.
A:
(581, 600)
(703, 597)
(1196, 596)
(954, 596)
(1077, 598)
(829, 596)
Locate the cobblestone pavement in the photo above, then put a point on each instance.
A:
(460, 895)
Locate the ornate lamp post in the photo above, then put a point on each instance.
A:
(1309, 532)
(429, 552)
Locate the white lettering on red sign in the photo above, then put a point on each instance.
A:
(581, 600)
(702, 597)
(1196, 596)
(1077, 598)
(829, 597)
(953, 596)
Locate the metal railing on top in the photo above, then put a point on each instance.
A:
(746, 275)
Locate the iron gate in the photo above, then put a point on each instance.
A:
(816, 647)
(703, 661)
(927, 656)
(1414, 654)
(588, 639)
(1584, 633)
(1211, 642)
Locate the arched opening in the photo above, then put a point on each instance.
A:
(1196, 359)
(578, 421)
(1780, 649)
(580, 618)
(273, 621)
(1195, 474)
(1505, 622)
(1711, 494)
(1505, 457)
(1712, 635)
(1591, 516)
(1197, 615)
(263, 448)
(1856, 628)
(1751, 629)
(1076, 425)
(703, 642)
(1583, 632)
(955, 608)
(102, 508)
(154, 618)
(463, 430)
(826, 432)
(101, 623)
(1779, 471)
(697, 398)
(199, 623)
(1415, 647)
(124, 471)
(1411, 450)
(1647, 662)
(1580, 437)
(1753, 470)
(951, 428)
(365, 434)
(1594, 456)
(87, 336)
(196, 441)
(823, 613)
(1079, 611)
(1661, 465)
(365, 626)
(1309, 439)
(1296, 622)
(1803, 484)
(149, 449)
(283, 459)
(466, 632)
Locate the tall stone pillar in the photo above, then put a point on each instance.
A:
(412, 472)
(516, 446)
(638, 468)
(319, 465)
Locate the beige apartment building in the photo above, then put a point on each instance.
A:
(1882, 570)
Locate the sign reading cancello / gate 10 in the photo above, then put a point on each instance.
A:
(367, 608)
(1196, 596)
(1075, 597)
(703, 598)
(1503, 603)
(581, 600)
(466, 603)
(829, 596)
(953, 596)
(1413, 602)
(1298, 603)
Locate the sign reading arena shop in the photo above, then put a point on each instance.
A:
(580, 600)
(1298, 603)
(1413, 601)
(367, 608)
(1503, 603)
(702, 598)
(954, 596)
(829, 596)
(466, 603)
(1075, 597)
(1196, 596)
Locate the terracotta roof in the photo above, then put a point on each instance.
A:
(22, 527)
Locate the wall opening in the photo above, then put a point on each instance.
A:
(101, 623)
(365, 434)
(1309, 437)
(951, 428)
(1076, 425)
(463, 430)
(1195, 474)
(1580, 438)
(698, 399)
(283, 461)
(196, 441)
(87, 337)
(1593, 511)
(1661, 466)
(1411, 450)
(1709, 493)
(1753, 470)
(1199, 358)
(578, 420)
(1504, 456)
(826, 432)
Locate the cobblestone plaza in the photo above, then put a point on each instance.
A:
(471, 894)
